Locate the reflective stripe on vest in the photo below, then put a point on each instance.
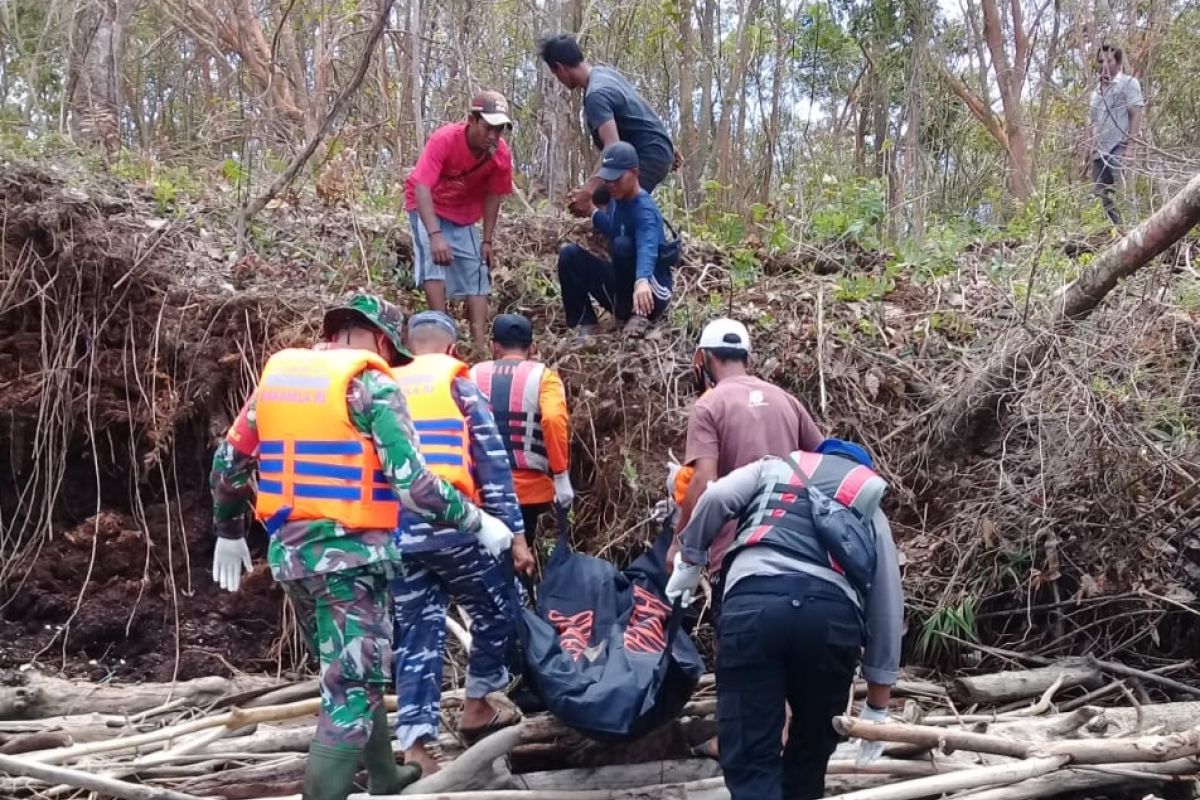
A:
(779, 516)
(311, 457)
(442, 435)
(514, 388)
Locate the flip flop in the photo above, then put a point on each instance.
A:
(502, 719)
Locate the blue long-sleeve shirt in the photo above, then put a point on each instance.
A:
(637, 219)
(490, 468)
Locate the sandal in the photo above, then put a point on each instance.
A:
(637, 326)
(502, 719)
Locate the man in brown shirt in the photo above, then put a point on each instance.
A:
(736, 422)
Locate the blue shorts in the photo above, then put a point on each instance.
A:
(467, 276)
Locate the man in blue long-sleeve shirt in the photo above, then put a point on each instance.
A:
(635, 286)
(441, 563)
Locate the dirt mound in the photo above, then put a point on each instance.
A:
(128, 340)
(114, 373)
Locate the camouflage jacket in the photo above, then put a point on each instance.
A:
(489, 466)
(312, 547)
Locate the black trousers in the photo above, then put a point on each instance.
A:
(583, 276)
(782, 638)
(531, 514)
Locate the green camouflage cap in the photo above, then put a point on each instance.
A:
(385, 316)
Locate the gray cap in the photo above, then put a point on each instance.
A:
(437, 318)
(617, 159)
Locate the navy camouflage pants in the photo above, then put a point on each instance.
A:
(476, 581)
(349, 618)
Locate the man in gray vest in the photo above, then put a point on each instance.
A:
(794, 620)
(530, 405)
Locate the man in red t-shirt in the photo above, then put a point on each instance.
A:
(462, 175)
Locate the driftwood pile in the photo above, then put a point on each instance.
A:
(1015, 734)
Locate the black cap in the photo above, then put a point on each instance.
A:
(512, 329)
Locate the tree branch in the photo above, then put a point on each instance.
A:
(280, 183)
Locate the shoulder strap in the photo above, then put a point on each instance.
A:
(795, 468)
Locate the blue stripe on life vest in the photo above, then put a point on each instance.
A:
(380, 477)
(317, 492)
(270, 465)
(270, 487)
(439, 425)
(273, 448)
(329, 448)
(446, 459)
(314, 469)
(444, 439)
(383, 495)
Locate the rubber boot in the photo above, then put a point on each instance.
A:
(329, 773)
(384, 775)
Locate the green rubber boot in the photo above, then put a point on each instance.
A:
(329, 773)
(384, 775)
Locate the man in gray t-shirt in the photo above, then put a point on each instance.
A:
(1114, 124)
(613, 111)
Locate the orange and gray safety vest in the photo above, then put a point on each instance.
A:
(312, 460)
(514, 388)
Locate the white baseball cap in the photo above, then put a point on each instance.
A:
(725, 333)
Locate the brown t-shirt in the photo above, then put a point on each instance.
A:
(738, 422)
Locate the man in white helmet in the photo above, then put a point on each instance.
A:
(738, 420)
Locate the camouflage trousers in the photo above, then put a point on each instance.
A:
(350, 624)
(480, 584)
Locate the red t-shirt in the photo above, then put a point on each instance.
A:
(458, 179)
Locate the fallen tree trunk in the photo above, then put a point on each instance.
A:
(1078, 780)
(1001, 774)
(44, 696)
(983, 398)
(85, 780)
(1005, 687)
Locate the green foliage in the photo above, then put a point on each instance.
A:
(850, 210)
(956, 619)
(864, 287)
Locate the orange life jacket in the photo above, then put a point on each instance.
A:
(311, 457)
(442, 434)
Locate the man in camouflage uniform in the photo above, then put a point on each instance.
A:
(441, 563)
(339, 570)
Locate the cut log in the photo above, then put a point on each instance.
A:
(983, 398)
(1001, 774)
(625, 776)
(1004, 687)
(14, 765)
(40, 695)
(928, 736)
(1150, 749)
(1081, 780)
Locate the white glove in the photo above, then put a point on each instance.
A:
(494, 535)
(868, 751)
(672, 474)
(683, 581)
(564, 495)
(667, 508)
(229, 559)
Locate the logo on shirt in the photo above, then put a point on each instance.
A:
(756, 400)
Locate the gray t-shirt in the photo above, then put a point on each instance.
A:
(609, 96)
(1109, 111)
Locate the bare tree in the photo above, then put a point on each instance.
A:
(97, 59)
